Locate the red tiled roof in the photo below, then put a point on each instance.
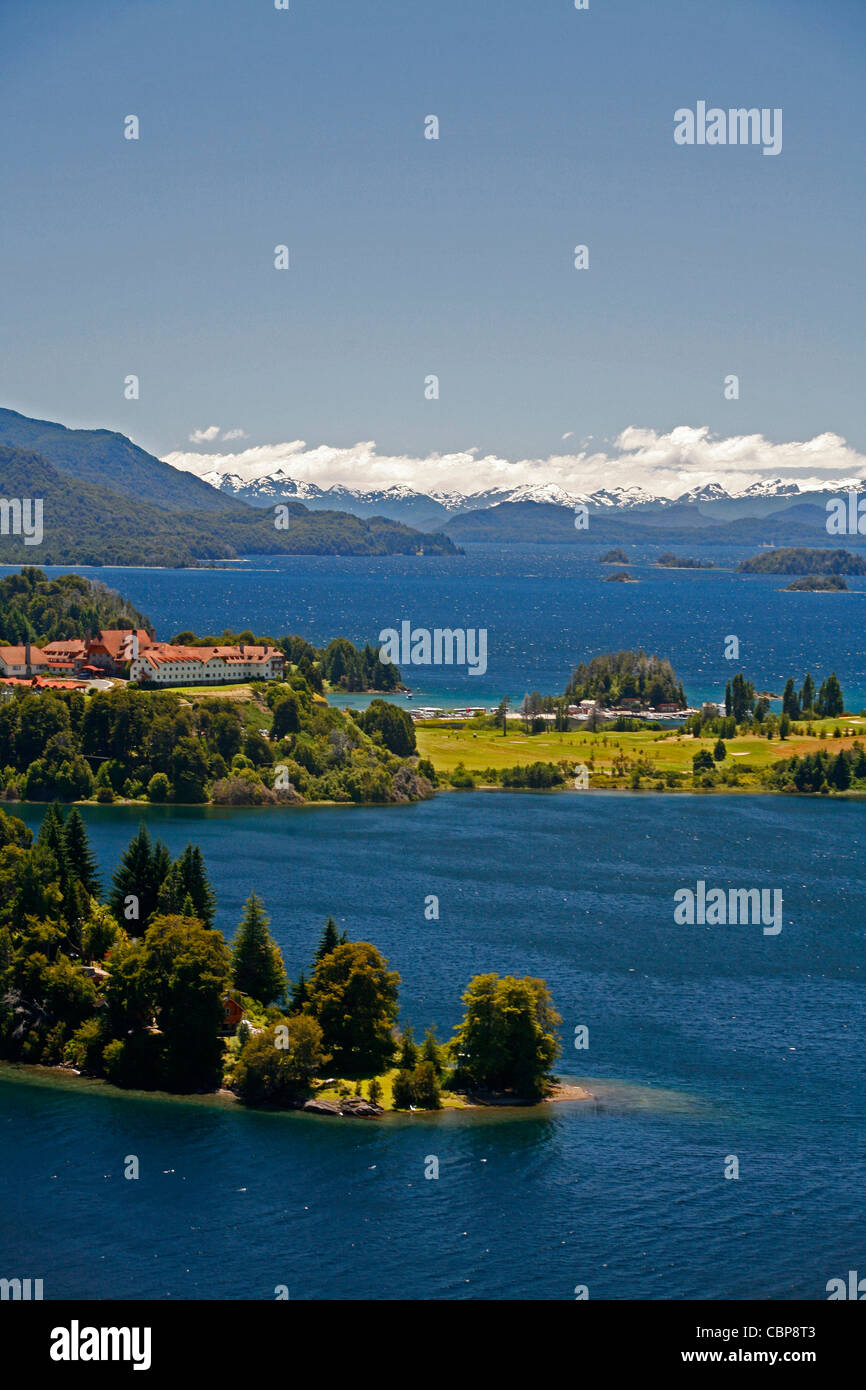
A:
(17, 656)
(160, 653)
(72, 646)
(116, 641)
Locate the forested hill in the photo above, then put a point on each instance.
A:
(36, 609)
(97, 524)
(105, 458)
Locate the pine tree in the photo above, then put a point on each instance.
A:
(52, 834)
(430, 1051)
(139, 875)
(840, 772)
(300, 995)
(834, 703)
(52, 837)
(172, 892)
(329, 942)
(160, 865)
(197, 884)
(257, 965)
(790, 702)
(807, 695)
(408, 1051)
(81, 859)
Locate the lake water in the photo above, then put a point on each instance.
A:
(705, 1042)
(545, 609)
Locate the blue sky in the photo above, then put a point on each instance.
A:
(410, 256)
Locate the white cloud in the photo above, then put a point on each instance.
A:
(234, 434)
(666, 464)
(205, 436)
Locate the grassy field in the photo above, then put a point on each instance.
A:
(667, 751)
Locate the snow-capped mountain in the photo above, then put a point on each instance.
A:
(428, 511)
(707, 492)
(274, 487)
(774, 488)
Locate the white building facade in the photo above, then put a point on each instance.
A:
(164, 664)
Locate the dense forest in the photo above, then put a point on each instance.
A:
(821, 771)
(285, 744)
(138, 986)
(282, 746)
(34, 608)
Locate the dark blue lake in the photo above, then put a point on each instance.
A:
(705, 1042)
(545, 609)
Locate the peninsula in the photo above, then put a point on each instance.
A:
(136, 985)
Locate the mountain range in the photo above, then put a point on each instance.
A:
(547, 509)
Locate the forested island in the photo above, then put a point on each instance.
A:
(620, 577)
(818, 584)
(136, 985)
(803, 560)
(669, 561)
(616, 556)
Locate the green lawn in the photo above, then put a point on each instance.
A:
(478, 749)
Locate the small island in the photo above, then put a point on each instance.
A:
(616, 556)
(803, 560)
(668, 561)
(620, 577)
(817, 584)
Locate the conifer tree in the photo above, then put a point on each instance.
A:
(300, 994)
(52, 837)
(430, 1051)
(197, 884)
(172, 892)
(81, 859)
(807, 695)
(139, 875)
(408, 1051)
(257, 965)
(329, 942)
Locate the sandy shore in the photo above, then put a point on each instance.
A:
(569, 1091)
